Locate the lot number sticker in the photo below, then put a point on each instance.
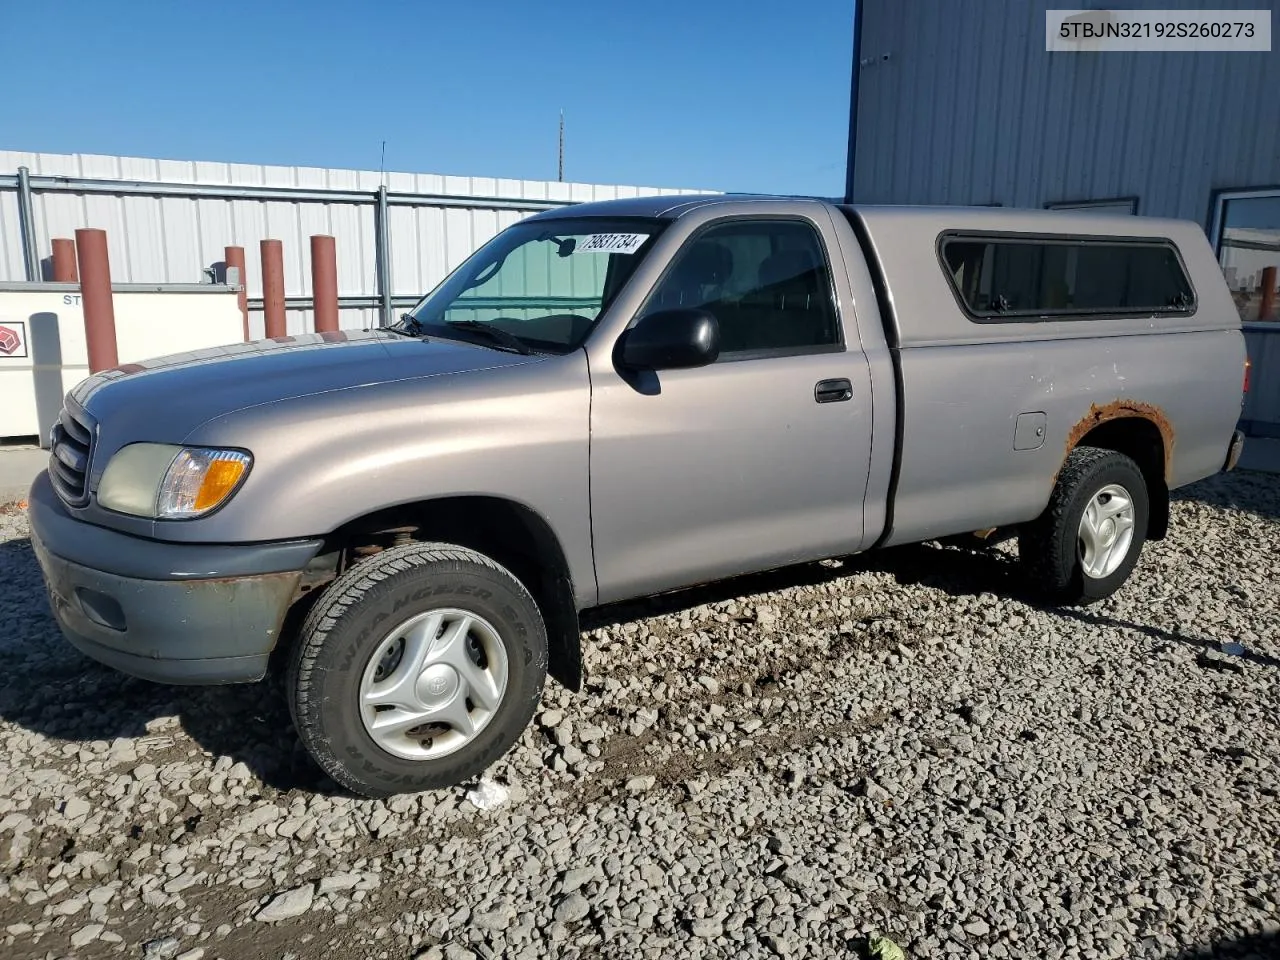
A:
(611, 243)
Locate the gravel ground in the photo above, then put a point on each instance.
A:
(778, 766)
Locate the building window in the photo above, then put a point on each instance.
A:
(1009, 277)
(1119, 205)
(1246, 232)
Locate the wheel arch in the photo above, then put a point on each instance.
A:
(1142, 433)
(507, 531)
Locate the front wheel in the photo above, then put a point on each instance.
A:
(1087, 541)
(417, 669)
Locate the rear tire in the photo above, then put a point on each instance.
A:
(417, 669)
(1088, 540)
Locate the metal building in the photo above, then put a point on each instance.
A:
(960, 103)
(168, 222)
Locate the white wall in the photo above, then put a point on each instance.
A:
(53, 357)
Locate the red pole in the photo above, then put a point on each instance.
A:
(1268, 304)
(234, 257)
(95, 298)
(324, 283)
(64, 261)
(273, 287)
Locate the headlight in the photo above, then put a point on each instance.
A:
(168, 482)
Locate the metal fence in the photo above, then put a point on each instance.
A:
(397, 234)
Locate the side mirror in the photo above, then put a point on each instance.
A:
(671, 339)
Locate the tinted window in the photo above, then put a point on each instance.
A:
(766, 282)
(998, 278)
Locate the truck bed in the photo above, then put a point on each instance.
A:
(989, 407)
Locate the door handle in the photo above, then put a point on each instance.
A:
(833, 391)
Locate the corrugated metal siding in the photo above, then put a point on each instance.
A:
(173, 240)
(11, 265)
(1261, 414)
(960, 103)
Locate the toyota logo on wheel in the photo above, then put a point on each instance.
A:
(437, 685)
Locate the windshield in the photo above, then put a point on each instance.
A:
(543, 281)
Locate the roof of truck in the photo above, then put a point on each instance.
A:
(672, 206)
(667, 206)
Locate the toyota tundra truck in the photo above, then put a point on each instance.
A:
(613, 400)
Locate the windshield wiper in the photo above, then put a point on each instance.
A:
(409, 326)
(499, 336)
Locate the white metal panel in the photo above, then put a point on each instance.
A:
(249, 228)
(183, 236)
(302, 321)
(12, 265)
(174, 239)
(358, 319)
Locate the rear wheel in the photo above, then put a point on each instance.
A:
(1088, 540)
(417, 669)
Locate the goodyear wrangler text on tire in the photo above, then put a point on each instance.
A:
(417, 669)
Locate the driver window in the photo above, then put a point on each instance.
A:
(766, 282)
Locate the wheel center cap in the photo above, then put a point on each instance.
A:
(437, 684)
(1108, 531)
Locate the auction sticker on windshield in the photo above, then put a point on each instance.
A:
(611, 243)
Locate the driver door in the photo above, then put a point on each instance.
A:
(755, 461)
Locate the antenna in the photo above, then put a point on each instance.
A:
(382, 164)
(560, 177)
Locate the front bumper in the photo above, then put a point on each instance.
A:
(170, 612)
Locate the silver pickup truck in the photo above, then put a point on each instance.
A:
(617, 399)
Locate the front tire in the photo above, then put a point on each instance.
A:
(417, 669)
(1088, 540)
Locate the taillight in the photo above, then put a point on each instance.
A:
(1248, 365)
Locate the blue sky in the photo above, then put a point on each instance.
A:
(721, 94)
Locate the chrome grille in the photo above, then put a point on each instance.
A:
(72, 443)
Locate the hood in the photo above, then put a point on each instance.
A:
(165, 398)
